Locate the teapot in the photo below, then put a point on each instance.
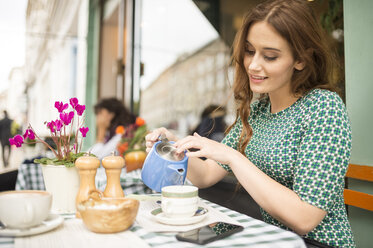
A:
(163, 166)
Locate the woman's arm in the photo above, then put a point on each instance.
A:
(204, 173)
(101, 132)
(279, 201)
(103, 119)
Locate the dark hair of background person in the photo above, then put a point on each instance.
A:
(212, 124)
(122, 116)
(295, 22)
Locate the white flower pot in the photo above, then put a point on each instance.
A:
(63, 184)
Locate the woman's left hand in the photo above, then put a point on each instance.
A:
(204, 147)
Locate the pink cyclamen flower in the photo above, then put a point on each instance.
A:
(74, 102)
(51, 126)
(84, 131)
(71, 115)
(29, 134)
(58, 124)
(67, 117)
(60, 106)
(80, 109)
(17, 140)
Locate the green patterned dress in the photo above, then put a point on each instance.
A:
(306, 148)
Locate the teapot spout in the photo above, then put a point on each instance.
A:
(176, 174)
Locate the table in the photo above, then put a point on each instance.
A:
(255, 234)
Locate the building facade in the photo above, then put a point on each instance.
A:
(55, 64)
(178, 96)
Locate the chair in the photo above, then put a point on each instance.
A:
(8, 179)
(356, 198)
(30, 176)
(227, 194)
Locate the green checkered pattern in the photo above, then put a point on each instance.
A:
(306, 148)
(222, 227)
(256, 234)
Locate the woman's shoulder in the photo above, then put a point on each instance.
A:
(321, 105)
(321, 99)
(323, 95)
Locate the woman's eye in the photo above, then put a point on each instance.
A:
(250, 52)
(270, 58)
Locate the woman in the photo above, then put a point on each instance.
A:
(290, 149)
(110, 113)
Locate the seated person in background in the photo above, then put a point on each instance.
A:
(110, 113)
(212, 123)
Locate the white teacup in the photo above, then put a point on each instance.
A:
(24, 208)
(179, 201)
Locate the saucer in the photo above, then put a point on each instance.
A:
(50, 223)
(201, 213)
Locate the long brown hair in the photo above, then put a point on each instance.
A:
(295, 22)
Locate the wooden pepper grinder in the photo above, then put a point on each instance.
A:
(87, 166)
(113, 166)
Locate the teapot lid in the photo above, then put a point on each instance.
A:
(167, 151)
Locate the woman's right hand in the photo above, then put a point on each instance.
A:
(153, 137)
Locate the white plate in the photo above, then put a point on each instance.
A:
(162, 218)
(50, 223)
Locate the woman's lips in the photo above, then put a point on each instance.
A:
(257, 79)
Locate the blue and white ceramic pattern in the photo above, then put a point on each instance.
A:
(158, 171)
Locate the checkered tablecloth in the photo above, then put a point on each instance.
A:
(255, 234)
(30, 176)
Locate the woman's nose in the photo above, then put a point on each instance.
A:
(255, 64)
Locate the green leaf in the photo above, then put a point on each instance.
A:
(139, 135)
(70, 162)
(42, 161)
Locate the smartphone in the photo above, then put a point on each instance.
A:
(209, 233)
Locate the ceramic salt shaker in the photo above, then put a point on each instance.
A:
(87, 166)
(113, 166)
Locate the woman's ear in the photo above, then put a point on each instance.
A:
(299, 65)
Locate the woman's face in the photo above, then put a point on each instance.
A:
(268, 60)
(103, 118)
